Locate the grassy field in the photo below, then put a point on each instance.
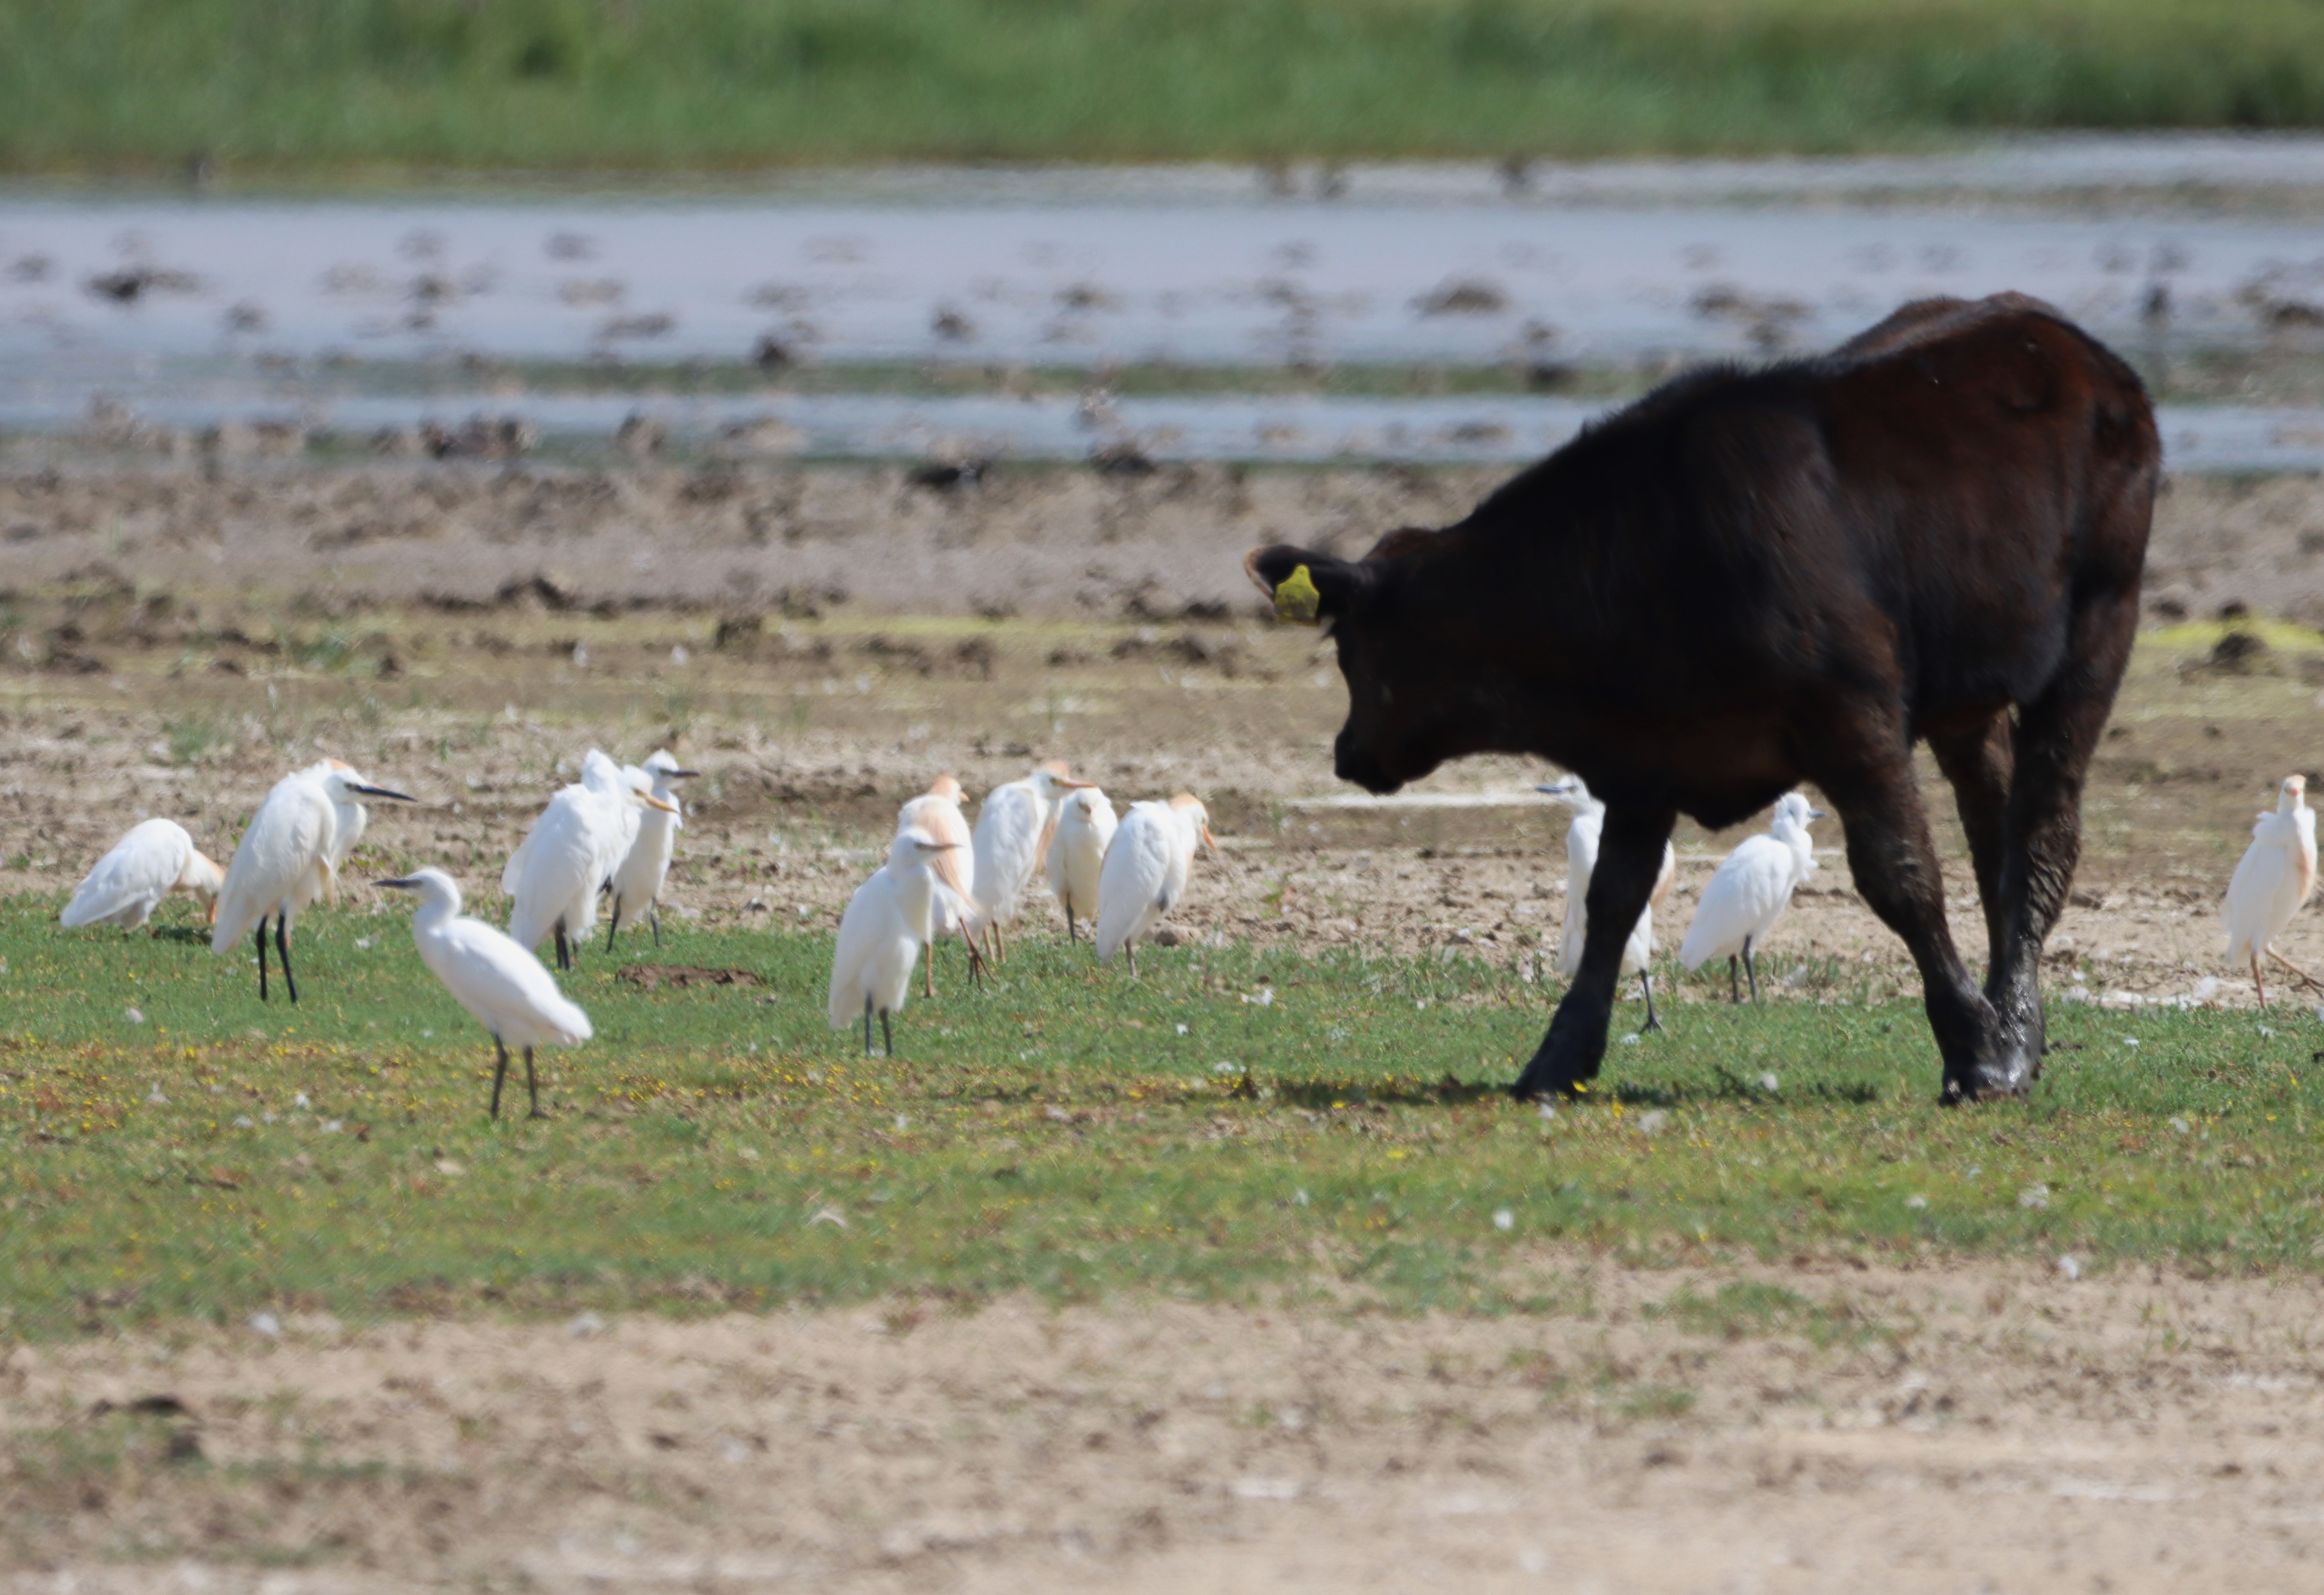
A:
(723, 83)
(1233, 1125)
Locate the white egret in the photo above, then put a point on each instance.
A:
(1086, 827)
(572, 850)
(880, 935)
(638, 878)
(1013, 826)
(127, 884)
(1146, 870)
(1749, 892)
(290, 856)
(952, 909)
(503, 985)
(1582, 836)
(2272, 881)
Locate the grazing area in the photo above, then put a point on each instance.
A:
(1293, 1296)
(432, 84)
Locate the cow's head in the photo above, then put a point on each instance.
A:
(1405, 708)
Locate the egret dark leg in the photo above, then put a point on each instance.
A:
(1647, 982)
(532, 1087)
(612, 925)
(653, 915)
(1734, 980)
(260, 940)
(928, 972)
(282, 946)
(2258, 984)
(867, 1026)
(564, 948)
(1750, 969)
(886, 1034)
(1073, 933)
(1130, 948)
(500, 1073)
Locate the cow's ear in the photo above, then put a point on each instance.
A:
(1302, 585)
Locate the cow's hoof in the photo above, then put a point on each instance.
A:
(1988, 1082)
(1543, 1081)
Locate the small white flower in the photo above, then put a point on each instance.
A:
(2178, 1124)
(330, 1126)
(1182, 1030)
(1548, 1110)
(1767, 1082)
(585, 1324)
(1222, 1067)
(902, 1122)
(135, 1017)
(2130, 1041)
(155, 1097)
(363, 944)
(2033, 1196)
(1917, 1200)
(1503, 1219)
(301, 1101)
(2070, 1267)
(1652, 1123)
(1631, 1040)
(242, 1122)
(267, 1324)
(1299, 1198)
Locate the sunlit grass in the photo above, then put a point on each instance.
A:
(1327, 1125)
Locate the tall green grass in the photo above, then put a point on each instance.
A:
(1233, 1124)
(676, 83)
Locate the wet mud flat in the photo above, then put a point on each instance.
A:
(823, 640)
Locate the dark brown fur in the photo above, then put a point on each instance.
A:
(1747, 581)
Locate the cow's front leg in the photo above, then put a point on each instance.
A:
(1629, 858)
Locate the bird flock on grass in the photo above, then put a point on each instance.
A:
(613, 832)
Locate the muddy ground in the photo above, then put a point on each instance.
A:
(821, 642)
(1954, 1428)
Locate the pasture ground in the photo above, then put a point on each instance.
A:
(1068, 1292)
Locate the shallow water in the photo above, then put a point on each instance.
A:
(191, 309)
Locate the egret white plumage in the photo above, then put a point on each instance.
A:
(638, 878)
(1013, 826)
(127, 884)
(881, 933)
(1581, 837)
(498, 982)
(572, 850)
(290, 856)
(1076, 855)
(1145, 871)
(953, 909)
(1749, 892)
(2273, 881)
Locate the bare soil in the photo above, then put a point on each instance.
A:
(811, 640)
(1952, 1428)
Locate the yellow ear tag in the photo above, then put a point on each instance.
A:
(1297, 598)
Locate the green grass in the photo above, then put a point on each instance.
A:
(711, 83)
(1058, 1135)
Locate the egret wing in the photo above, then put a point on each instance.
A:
(126, 884)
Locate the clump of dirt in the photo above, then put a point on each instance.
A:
(653, 976)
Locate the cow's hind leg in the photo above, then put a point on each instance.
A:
(1895, 865)
(2055, 736)
(1629, 858)
(1975, 756)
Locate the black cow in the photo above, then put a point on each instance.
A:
(1752, 579)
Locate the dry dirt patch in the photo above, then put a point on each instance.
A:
(1956, 1428)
